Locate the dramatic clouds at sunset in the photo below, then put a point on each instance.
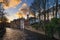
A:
(10, 3)
(16, 8)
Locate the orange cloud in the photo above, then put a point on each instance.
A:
(19, 15)
(24, 6)
(12, 3)
(1, 0)
(31, 14)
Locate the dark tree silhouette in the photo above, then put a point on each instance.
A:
(44, 7)
(3, 20)
(36, 7)
(56, 8)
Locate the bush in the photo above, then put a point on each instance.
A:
(49, 28)
(35, 25)
(52, 27)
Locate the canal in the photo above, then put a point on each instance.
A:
(17, 34)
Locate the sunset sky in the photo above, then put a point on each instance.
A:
(13, 8)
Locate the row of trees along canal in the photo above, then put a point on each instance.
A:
(3, 20)
(50, 27)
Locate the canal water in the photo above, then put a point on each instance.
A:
(17, 34)
(13, 34)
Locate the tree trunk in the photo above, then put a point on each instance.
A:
(56, 8)
(44, 10)
(44, 16)
(53, 11)
(48, 16)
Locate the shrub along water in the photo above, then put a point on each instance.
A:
(52, 27)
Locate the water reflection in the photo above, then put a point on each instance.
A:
(13, 34)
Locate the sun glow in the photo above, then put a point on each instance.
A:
(20, 15)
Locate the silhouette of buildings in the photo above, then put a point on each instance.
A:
(16, 23)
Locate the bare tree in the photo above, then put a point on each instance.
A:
(44, 7)
(56, 8)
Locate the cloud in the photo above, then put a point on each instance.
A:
(19, 15)
(11, 3)
(24, 6)
(10, 18)
(1, 0)
(31, 14)
(24, 10)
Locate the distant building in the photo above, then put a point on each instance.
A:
(33, 20)
(16, 23)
